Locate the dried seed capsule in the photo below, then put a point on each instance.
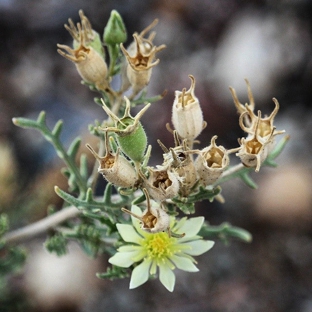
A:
(264, 125)
(89, 63)
(140, 59)
(187, 116)
(161, 184)
(115, 168)
(211, 162)
(154, 218)
(91, 37)
(254, 149)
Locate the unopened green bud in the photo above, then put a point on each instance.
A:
(115, 30)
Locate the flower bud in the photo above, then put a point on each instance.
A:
(115, 168)
(89, 63)
(115, 30)
(187, 116)
(211, 162)
(154, 219)
(131, 136)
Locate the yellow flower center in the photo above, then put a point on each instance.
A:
(159, 246)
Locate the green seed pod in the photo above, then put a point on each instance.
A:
(133, 144)
(130, 134)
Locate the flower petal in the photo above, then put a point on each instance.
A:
(140, 274)
(198, 247)
(166, 277)
(191, 227)
(128, 233)
(122, 259)
(184, 264)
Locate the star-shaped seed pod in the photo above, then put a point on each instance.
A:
(264, 125)
(187, 116)
(90, 64)
(114, 167)
(254, 149)
(211, 162)
(161, 184)
(154, 219)
(140, 59)
(179, 161)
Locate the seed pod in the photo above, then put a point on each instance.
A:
(140, 59)
(162, 184)
(187, 116)
(211, 162)
(115, 168)
(264, 125)
(89, 63)
(154, 218)
(254, 149)
(180, 163)
(91, 37)
(131, 136)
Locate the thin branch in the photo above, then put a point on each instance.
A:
(41, 226)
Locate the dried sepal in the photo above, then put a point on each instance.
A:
(115, 168)
(154, 218)
(187, 116)
(211, 162)
(140, 59)
(243, 108)
(90, 65)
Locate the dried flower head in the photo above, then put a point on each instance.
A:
(187, 116)
(140, 57)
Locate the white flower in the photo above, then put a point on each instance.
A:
(151, 250)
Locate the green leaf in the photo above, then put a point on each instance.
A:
(56, 244)
(225, 232)
(113, 273)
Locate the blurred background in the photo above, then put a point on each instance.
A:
(220, 42)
